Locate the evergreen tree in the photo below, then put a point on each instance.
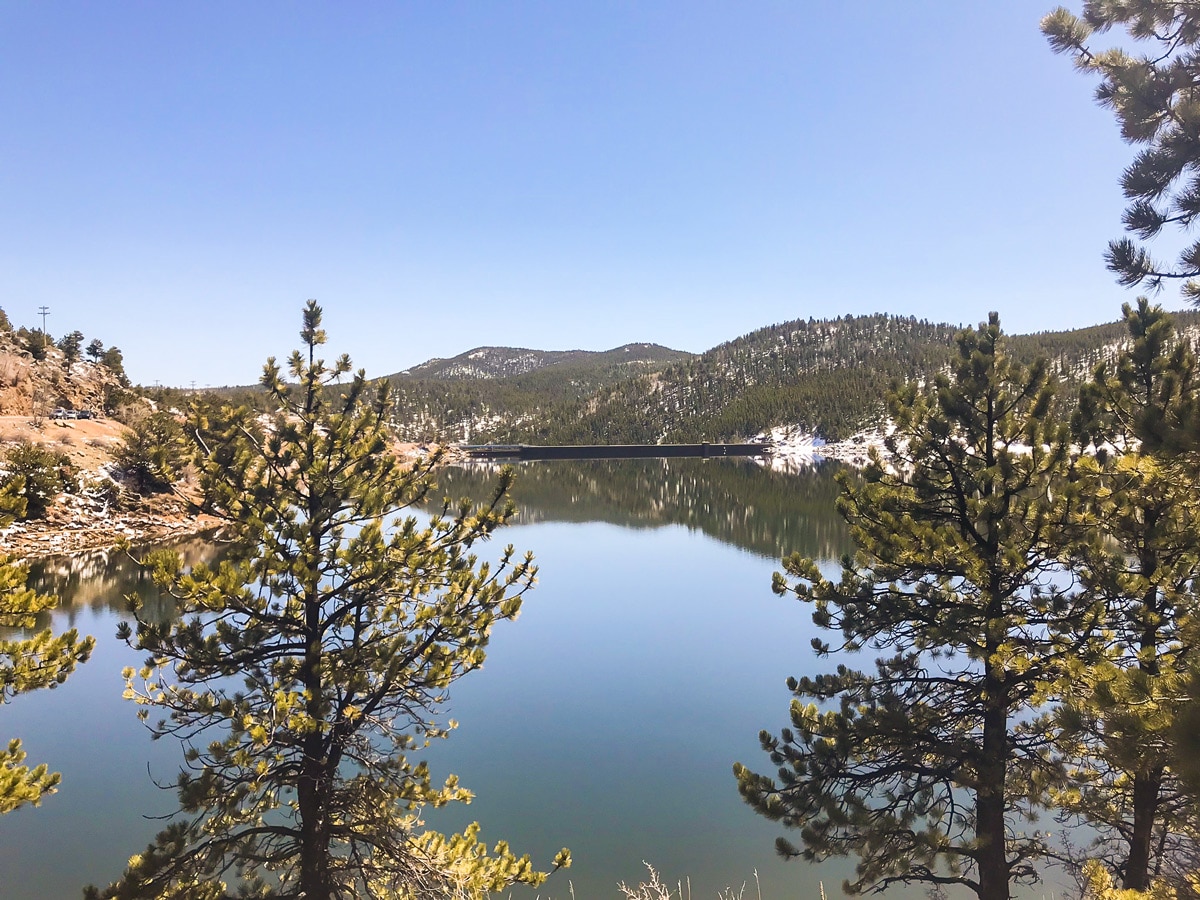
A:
(33, 476)
(1153, 97)
(928, 766)
(33, 341)
(96, 349)
(151, 455)
(70, 345)
(308, 665)
(115, 363)
(1140, 560)
(42, 660)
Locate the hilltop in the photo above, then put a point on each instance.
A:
(507, 362)
(492, 392)
(824, 377)
(37, 376)
(41, 382)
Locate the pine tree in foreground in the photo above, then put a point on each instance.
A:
(927, 767)
(307, 667)
(1138, 558)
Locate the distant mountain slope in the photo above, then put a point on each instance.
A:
(1076, 353)
(504, 393)
(827, 376)
(505, 362)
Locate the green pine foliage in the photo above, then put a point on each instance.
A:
(151, 456)
(30, 659)
(35, 476)
(926, 765)
(1137, 556)
(33, 341)
(1151, 92)
(307, 669)
(70, 345)
(114, 361)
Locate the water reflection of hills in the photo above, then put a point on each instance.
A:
(738, 502)
(102, 579)
(735, 501)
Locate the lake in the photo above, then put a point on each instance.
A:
(607, 719)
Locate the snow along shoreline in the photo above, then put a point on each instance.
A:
(796, 448)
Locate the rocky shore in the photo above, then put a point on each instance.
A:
(77, 523)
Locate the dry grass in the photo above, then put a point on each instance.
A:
(656, 889)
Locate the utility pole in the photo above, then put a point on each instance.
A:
(43, 311)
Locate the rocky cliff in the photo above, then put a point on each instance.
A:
(35, 387)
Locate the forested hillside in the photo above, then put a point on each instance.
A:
(492, 393)
(825, 376)
(505, 362)
(39, 374)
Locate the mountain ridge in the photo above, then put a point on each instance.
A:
(502, 362)
(824, 376)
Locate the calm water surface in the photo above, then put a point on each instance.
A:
(606, 719)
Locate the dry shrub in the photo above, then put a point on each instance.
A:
(657, 889)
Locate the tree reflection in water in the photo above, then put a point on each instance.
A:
(100, 580)
(738, 502)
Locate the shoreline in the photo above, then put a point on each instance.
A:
(21, 543)
(83, 523)
(78, 523)
(37, 539)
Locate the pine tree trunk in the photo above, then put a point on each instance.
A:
(312, 791)
(314, 831)
(989, 794)
(989, 805)
(1146, 787)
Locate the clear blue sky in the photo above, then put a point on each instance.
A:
(177, 179)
